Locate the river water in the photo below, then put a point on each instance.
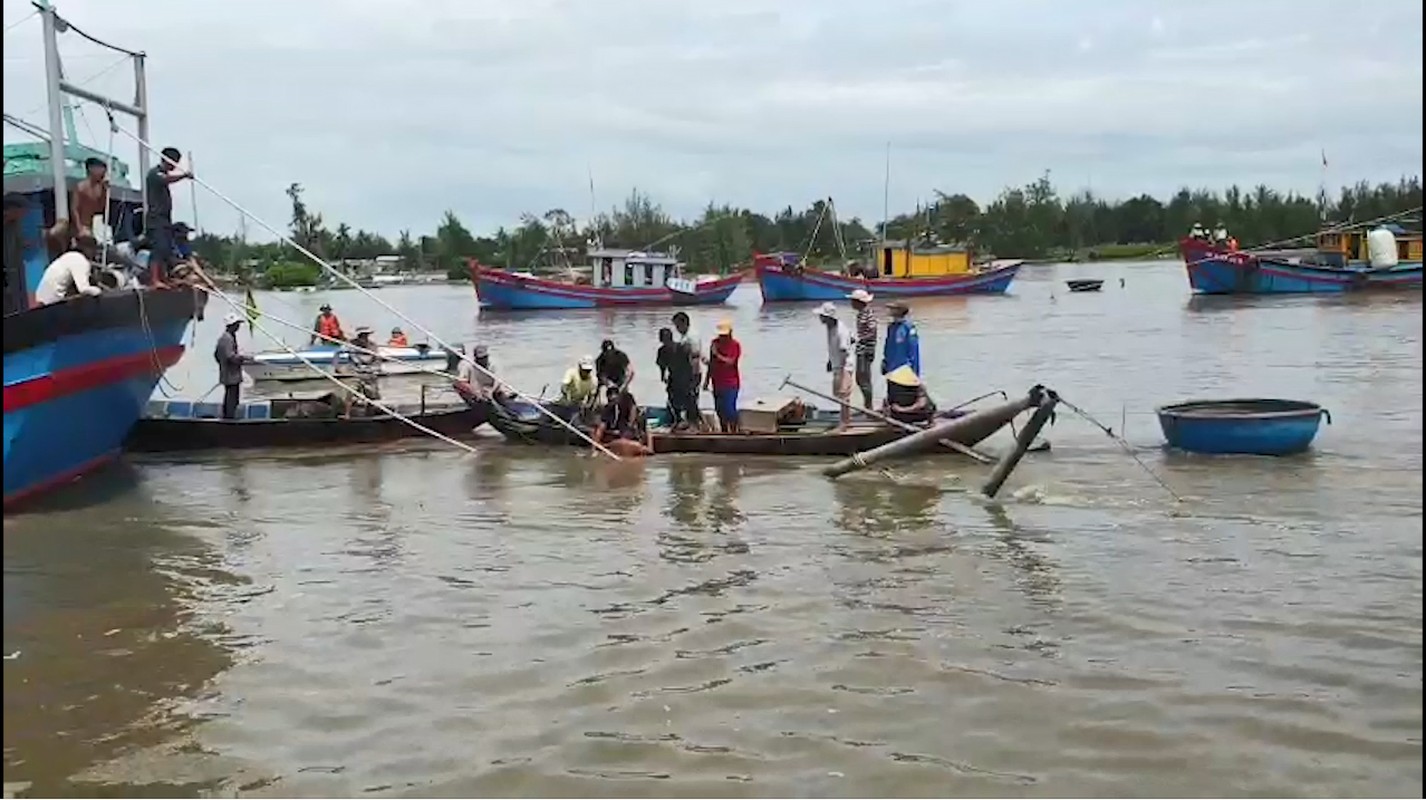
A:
(414, 620)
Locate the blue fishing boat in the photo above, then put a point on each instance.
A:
(79, 372)
(614, 278)
(1248, 427)
(904, 272)
(1340, 264)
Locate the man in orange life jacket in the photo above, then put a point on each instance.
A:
(327, 327)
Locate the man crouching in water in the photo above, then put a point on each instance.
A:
(622, 428)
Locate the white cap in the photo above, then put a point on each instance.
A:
(827, 310)
(587, 362)
(231, 318)
(860, 295)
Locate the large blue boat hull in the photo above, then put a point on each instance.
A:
(70, 401)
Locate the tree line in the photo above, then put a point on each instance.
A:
(1032, 221)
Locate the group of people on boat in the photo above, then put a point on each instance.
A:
(851, 353)
(328, 330)
(1219, 236)
(79, 265)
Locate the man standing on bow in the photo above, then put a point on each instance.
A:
(903, 346)
(865, 343)
(158, 217)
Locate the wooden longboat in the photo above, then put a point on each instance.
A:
(181, 425)
(518, 421)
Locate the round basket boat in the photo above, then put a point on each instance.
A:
(1261, 427)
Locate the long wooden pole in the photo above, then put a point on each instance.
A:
(896, 423)
(1022, 444)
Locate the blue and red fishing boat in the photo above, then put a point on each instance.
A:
(614, 278)
(1341, 263)
(78, 372)
(898, 269)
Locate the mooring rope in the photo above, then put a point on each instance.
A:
(1123, 443)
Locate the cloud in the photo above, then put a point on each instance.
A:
(390, 113)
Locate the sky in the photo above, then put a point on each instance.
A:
(391, 112)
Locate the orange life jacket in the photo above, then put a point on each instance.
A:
(329, 326)
(399, 340)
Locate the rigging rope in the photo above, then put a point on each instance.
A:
(345, 278)
(1119, 440)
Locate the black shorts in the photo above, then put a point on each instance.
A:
(160, 246)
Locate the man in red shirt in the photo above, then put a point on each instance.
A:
(723, 357)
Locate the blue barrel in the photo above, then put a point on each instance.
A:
(1262, 427)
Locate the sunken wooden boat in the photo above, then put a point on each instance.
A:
(520, 421)
(182, 425)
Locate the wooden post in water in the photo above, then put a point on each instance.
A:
(1022, 444)
(975, 426)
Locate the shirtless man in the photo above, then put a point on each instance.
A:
(90, 197)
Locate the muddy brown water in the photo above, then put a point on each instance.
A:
(412, 620)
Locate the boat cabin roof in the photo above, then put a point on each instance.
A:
(633, 256)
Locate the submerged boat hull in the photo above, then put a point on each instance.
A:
(174, 425)
(499, 289)
(1212, 270)
(519, 422)
(779, 284)
(78, 375)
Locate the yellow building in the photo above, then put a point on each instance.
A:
(902, 259)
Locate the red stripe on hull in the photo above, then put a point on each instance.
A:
(43, 388)
(31, 492)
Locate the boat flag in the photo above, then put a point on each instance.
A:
(250, 306)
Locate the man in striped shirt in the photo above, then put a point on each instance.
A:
(865, 342)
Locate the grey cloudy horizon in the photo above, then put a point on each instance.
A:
(389, 113)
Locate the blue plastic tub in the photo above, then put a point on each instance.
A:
(1260, 427)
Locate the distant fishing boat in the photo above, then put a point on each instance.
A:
(281, 365)
(615, 278)
(1344, 261)
(77, 372)
(901, 269)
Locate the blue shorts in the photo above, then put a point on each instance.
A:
(725, 403)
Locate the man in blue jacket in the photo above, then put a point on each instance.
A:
(902, 347)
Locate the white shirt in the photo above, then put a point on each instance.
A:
(66, 275)
(839, 347)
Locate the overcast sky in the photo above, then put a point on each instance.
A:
(390, 112)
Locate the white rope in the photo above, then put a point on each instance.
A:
(334, 379)
(22, 20)
(342, 276)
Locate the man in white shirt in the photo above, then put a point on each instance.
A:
(68, 274)
(687, 337)
(839, 360)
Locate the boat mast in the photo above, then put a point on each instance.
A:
(57, 88)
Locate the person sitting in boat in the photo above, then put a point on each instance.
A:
(398, 339)
(906, 397)
(613, 367)
(477, 380)
(1198, 232)
(903, 345)
(366, 369)
(580, 389)
(68, 274)
(1220, 235)
(327, 328)
(622, 427)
